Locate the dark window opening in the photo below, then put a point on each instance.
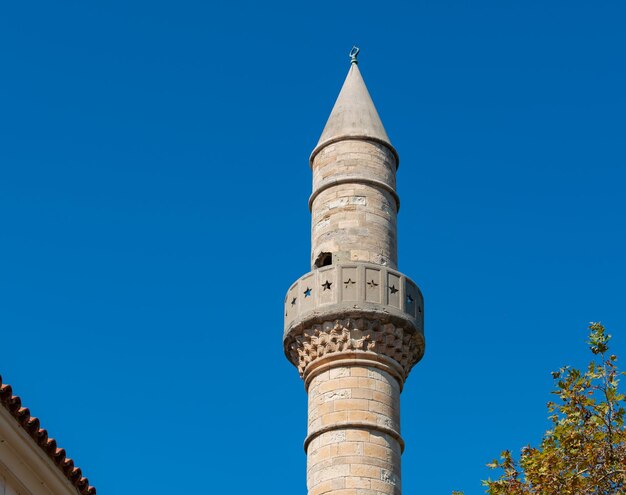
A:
(324, 259)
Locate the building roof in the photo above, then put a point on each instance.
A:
(354, 115)
(13, 404)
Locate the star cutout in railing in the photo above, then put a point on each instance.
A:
(349, 282)
(393, 289)
(327, 285)
(307, 292)
(293, 301)
(372, 284)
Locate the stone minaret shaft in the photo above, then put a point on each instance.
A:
(354, 324)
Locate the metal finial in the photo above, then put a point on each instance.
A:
(353, 54)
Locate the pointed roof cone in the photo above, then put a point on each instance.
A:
(354, 115)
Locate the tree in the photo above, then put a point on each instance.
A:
(584, 452)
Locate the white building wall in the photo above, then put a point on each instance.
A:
(25, 469)
(7, 489)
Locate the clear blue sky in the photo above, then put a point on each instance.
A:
(153, 211)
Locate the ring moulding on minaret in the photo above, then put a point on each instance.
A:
(354, 323)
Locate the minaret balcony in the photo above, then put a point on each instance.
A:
(354, 290)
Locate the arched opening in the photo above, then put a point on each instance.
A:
(324, 259)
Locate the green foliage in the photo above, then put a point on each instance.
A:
(584, 452)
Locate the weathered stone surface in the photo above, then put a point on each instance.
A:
(354, 324)
(354, 204)
(354, 289)
(364, 455)
(361, 338)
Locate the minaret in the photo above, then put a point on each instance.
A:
(354, 324)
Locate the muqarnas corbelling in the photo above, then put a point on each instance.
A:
(404, 346)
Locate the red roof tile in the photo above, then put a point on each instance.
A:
(13, 404)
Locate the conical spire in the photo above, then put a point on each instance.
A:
(354, 114)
